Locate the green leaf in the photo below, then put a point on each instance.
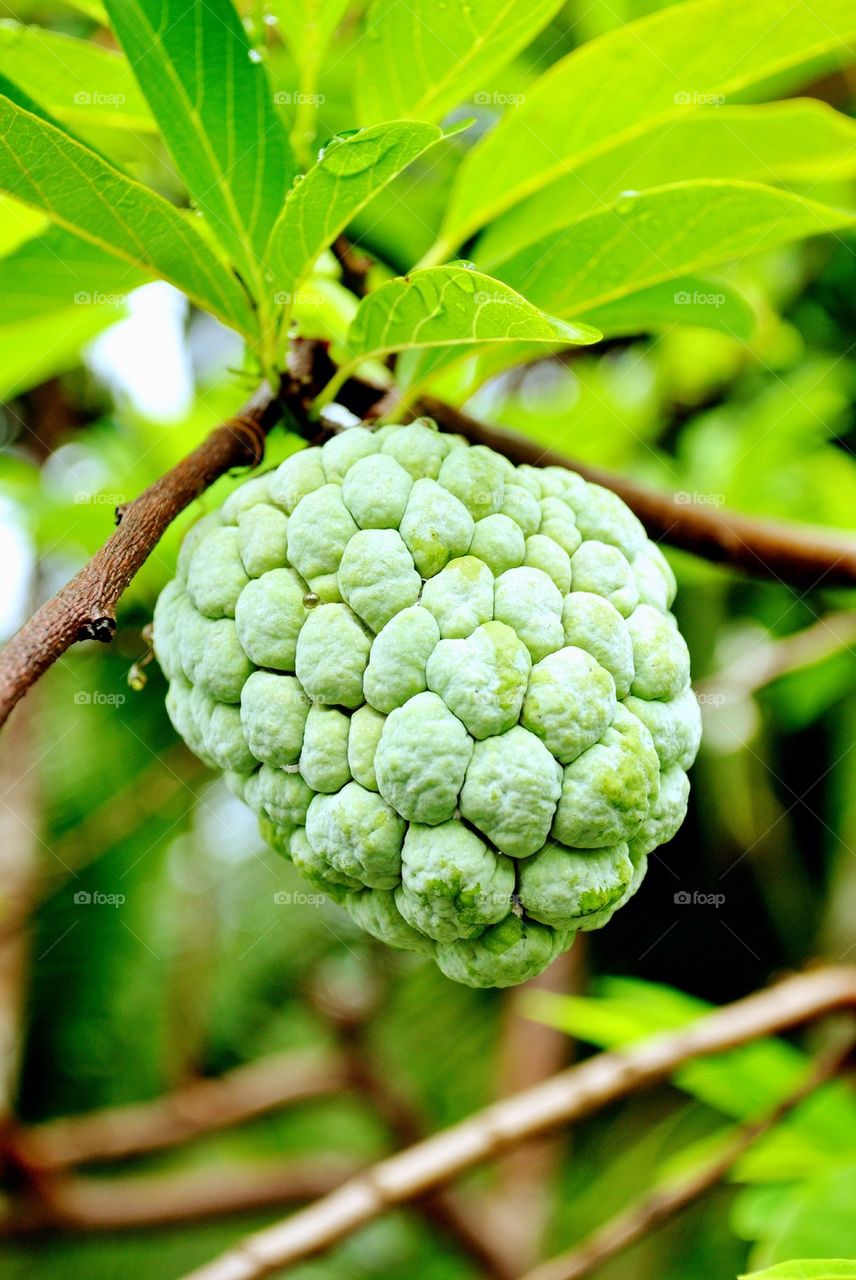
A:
(31, 351)
(350, 172)
(57, 270)
(215, 109)
(619, 86)
(812, 1269)
(818, 1220)
(79, 82)
(693, 300)
(656, 235)
(46, 168)
(423, 58)
(452, 306)
(777, 143)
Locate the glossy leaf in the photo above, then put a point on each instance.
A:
(79, 191)
(423, 58)
(642, 75)
(452, 306)
(350, 172)
(777, 143)
(215, 109)
(79, 82)
(653, 236)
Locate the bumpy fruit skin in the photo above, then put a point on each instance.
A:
(450, 688)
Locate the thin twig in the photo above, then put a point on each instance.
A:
(154, 1200)
(85, 608)
(761, 664)
(800, 555)
(667, 1201)
(204, 1106)
(563, 1099)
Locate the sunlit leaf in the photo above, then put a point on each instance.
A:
(619, 86)
(79, 82)
(423, 58)
(349, 174)
(653, 236)
(449, 306)
(776, 143)
(57, 270)
(694, 300)
(212, 101)
(51, 171)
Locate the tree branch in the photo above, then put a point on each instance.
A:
(202, 1107)
(563, 1099)
(651, 1211)
(800, 555)
(85, 608)
(71, 1203)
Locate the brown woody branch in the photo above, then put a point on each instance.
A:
(69, 1202)
(85, 608)
(799, 555)
(651, 1211)
(201, 1107)
(563, 1099)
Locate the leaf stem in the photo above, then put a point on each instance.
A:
(440, 251)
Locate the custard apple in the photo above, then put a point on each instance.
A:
(451, 689)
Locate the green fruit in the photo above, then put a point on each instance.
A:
(450, 688)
